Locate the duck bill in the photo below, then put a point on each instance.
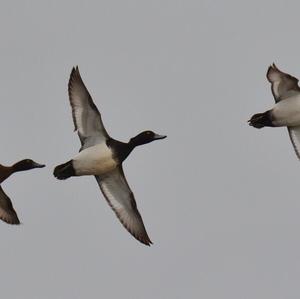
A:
(38, 165)
(157, 137)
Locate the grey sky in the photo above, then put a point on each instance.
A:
(219, 199)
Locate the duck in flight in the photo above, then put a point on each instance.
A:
(286, 111)
(102, 156)
(7, 211)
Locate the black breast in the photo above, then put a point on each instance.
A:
(120, 149)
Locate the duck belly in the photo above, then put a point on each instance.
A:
(95, 160)
(287, 112)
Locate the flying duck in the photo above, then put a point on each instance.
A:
(102, 156)
(286, 111)
(7, 211)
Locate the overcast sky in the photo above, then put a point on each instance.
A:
(220, 200)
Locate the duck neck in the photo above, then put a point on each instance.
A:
(121, 150)
(17, 167)
(126, 149)
(134, 142)
(5, 172)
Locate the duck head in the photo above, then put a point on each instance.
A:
(145, 137)
(26, 164)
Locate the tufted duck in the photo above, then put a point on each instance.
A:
(286, 111)
(102, 156)
(7, 212)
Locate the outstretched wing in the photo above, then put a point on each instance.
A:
(86, 116)
(7, 212)
(121, 199)
(283, 85)
(294, 133)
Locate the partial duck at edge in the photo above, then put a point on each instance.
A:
(286, 111)
(7, 211)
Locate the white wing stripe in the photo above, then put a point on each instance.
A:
(86, 117)
(119, 196)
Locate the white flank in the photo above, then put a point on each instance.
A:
(95, 160)
(287, 112)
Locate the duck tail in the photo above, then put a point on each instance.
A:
(261, 120)
(64, 171)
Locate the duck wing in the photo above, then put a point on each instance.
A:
(86, 117)
(282, 85)
(121, 199)
(294, 133)
(7, 211)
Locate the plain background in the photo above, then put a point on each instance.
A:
(220, 200)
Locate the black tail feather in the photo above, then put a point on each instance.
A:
(64, 171)
(261, 120)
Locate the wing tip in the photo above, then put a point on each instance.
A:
(12, 221)
(74, 72)
(146, 241)
(74, 75)
(271, 73)
(141, 237)
(270, 69)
